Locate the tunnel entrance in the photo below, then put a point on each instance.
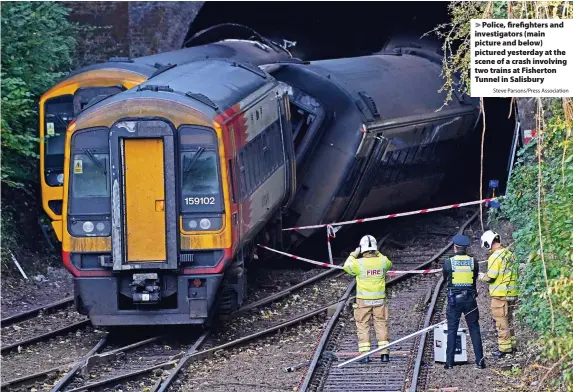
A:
(342, 29)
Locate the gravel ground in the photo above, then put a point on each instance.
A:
(309, 298)
(39, 325)
(56, 352)
(19, 295)
(258, 366)
(502, 375)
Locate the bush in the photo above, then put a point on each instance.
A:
(543, 177)
(37, 42)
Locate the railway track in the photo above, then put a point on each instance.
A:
(91, 363)
(157, 367)
(408, 295)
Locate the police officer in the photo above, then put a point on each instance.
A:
(460, 274)
(502, 271)
(369, 267)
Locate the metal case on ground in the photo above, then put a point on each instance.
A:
(441, 341)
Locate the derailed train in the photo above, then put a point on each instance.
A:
(168, 186)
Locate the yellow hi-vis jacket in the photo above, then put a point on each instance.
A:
(462, 275)
(503, 269)
(370, 272)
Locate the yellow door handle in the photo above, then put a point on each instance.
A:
(159, 205)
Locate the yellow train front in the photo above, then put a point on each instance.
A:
(167, 186)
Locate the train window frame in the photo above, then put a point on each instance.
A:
(219, 206)
(98, 206)
(54, 163)
(253, 173)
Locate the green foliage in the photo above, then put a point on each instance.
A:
(521, 207)
(37, 42)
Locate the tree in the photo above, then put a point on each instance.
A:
(37, 42)
(37, 46)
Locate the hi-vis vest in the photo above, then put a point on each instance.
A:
(462, 272)
(502, 267)
(370, 275)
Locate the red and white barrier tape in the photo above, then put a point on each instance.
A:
(334, 224)
(426, 271)
(301, 258)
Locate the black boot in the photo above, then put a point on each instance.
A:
(364, 360)
(447, 366)
(481, 364)
(499, 354)
(385, 357)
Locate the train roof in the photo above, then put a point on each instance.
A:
(240, 50)
(390, 85)
(212, 85)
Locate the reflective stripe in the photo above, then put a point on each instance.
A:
(371, 293)
(492, 272)
(374, 302)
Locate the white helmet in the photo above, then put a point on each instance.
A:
(367, 243)
(488, 237)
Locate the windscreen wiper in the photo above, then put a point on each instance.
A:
(94, 160)
(187, 167)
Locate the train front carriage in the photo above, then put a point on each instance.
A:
(81, 88)
(166, 187)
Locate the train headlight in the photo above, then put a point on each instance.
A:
(88, 227)
(60, 178)
(100, 226)
(193, 224)
(205, 223)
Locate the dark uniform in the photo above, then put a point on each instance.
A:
(460, 274)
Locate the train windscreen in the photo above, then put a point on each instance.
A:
(58, 112)
(199, 165)
(90, 174)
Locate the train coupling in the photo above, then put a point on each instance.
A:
(145, 288)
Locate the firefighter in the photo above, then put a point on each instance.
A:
(369, 267)
(501, 275)
(461, 274)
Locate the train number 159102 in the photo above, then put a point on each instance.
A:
(199, 200)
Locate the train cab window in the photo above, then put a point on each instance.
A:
(306, 116)
(199, 170)
(90, 176)
(58, 112)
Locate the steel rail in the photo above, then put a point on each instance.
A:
(324, 338)
(320, 348)
(329, 327)
(68, 377)
(429, 314)
(43, 336)
(163, 385)
(62, 303)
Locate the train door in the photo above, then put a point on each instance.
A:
(144, 183)
(144, 214)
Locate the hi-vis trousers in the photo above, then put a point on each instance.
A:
(502, 314)
(363, 311)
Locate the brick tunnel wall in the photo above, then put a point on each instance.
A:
(129, 29)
